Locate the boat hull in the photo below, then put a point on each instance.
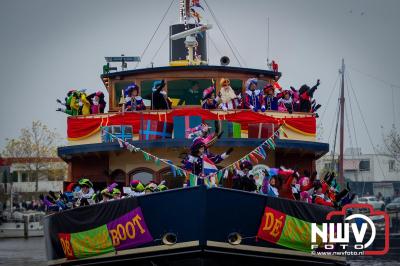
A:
(201, 219)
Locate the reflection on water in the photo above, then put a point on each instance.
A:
(19, 251)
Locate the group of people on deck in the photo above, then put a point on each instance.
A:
(268, 98)
(78, 102)
(83, 193)
(277, 182)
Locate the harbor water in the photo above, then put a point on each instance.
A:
(19, 251)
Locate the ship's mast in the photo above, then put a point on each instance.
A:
(341, 176)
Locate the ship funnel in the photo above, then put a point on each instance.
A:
(234, 238)
(169, 239)
(224, 61)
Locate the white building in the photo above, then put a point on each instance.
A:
(372, 173)
(16, 175)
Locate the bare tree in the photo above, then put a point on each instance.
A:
(37, 144)
(392, 143)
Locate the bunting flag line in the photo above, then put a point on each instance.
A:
(210, 171)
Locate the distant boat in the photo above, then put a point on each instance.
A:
(13, 225)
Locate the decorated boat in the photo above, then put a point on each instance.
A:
(188, 224)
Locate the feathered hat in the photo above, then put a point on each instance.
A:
(251, 81)
(131, 88)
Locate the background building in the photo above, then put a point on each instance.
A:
(17, 175)
(366, 173)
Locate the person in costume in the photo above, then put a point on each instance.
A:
(270, 183)
(193, 162)
(253, 99)
(209, 101)
(137, 188)
(95, 105)
(106, 195)
(242, 179)
(290, 189)
(306, 93)
(84, 104)
(133, 101)
(67, 101)
(270, 101)
(71, 103)
(192, 96)
(229, 99)
(150, 187)
(159, 96)
(102, 102)
(320, 198)
(285, 104)
(86, 192)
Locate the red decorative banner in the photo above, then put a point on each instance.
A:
(82, 127)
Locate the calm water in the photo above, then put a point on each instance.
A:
(31, 252)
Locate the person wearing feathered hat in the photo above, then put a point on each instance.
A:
(133, 101)
(137, 188)
(209, 101)
(306, 93)
(229, 99)
(285, 104)
(193, 162)
(242, 179)
(253, 99)
(270, 101)
(159, 96)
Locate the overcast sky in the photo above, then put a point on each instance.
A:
(49, 47)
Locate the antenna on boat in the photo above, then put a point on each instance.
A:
(191, 42)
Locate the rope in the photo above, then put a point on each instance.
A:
(334, 142)
(223, 34)
(373, 77)
(329, 98)
(215, 46)
(355, 135)
(365, 125)
(159, 48)
(152, 37)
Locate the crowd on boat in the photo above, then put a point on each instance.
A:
(271, 97)
(78, 102)
(201, 163)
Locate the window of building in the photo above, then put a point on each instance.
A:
(392, 165)
(364, 165)
(14, 176)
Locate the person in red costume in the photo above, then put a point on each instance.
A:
(320, 197)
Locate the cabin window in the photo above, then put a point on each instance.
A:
(237, 85)
(187, 91)
(364, 165)
(142, 174)
(118, 88)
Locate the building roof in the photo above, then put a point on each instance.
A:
(11, 160)
(252, 71)
(317, 148)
